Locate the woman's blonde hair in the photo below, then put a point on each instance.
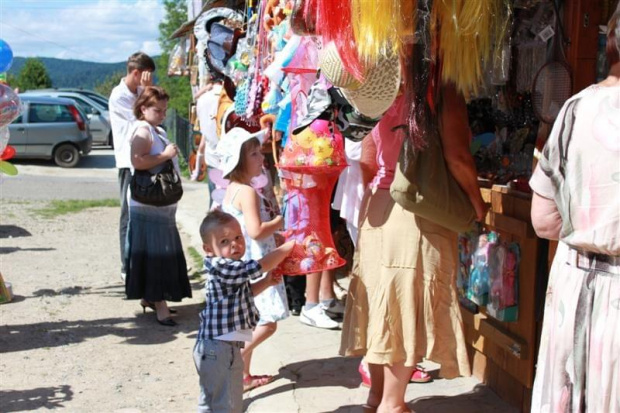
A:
(240, 170)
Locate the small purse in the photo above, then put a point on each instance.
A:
(160, 189)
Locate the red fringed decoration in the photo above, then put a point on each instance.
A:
(340, 31)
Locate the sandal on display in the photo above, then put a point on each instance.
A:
(252, 382)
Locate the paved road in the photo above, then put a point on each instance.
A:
(95, 177)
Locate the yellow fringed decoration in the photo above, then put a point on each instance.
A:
(377, 25)
(467, 31)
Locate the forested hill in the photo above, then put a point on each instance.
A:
(73, 73)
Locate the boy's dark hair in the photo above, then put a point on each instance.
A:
(238, 173)
(150, 97)
(140, 61)
(214, 219)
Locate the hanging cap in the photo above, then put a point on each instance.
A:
(202, 26)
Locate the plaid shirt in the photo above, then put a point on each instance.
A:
(230, 303)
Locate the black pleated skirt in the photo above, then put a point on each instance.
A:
(155, 263)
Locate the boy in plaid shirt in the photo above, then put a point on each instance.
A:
(230, 315)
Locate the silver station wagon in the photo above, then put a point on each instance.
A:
(51, 128)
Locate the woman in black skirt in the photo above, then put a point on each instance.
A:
(156, 268)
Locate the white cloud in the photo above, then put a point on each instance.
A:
(92, 30)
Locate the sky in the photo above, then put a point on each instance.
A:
(106, 31)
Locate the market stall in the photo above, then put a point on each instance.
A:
(289, 65)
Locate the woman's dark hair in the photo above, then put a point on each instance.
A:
(613, 38)
(149, 97)
(238, 173)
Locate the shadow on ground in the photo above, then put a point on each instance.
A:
(40, 398)
(480, 400)
(94, 160)
(8, 250)
(141, 329)
(317, 373)
(13, 231)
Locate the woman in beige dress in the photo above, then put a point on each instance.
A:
(402, 304)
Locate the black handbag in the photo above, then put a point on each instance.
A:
(160, 189)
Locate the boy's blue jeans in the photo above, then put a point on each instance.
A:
(220, 369)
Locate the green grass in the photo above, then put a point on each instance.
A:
(57, 207)
(196, 262)
(184, 167)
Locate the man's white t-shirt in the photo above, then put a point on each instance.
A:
(123, 122)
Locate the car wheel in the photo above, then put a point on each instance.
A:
(110, 140)
(66, 156)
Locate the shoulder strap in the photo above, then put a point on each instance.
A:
(235, 195)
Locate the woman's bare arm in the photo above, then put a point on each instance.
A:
(140, 148)
(455, 139)
(249, 206)
(546, 218)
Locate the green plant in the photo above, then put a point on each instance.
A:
(197, 262)
(62, 207)
(33, 76)
(184, 167)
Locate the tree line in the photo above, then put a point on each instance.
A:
(35, 73)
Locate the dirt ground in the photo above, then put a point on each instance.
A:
(69, 322)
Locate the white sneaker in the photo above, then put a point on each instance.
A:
(123, 276)
(316, 317)
(335, 310)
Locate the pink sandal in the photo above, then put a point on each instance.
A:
(251, 382)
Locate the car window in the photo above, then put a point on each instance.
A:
(85, 106)
(49, 113)
(103, 102)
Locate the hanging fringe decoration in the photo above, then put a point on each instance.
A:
(466, 38)
(377, 25)
(339, 30)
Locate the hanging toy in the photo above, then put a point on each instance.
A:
(310, 165)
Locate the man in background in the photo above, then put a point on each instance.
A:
(140, 68)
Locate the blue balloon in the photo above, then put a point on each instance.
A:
(6, 56)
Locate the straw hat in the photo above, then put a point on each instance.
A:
(229, 147)
(379, 88)
(333, 70)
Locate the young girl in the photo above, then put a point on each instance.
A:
(242, 160)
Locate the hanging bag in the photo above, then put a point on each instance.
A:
(424, 185)
(160, 189)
